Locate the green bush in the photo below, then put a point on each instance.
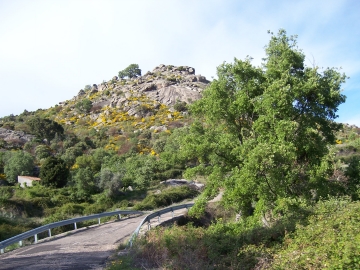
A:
(10, 228)
(5, 193)
(166, 197)
(300, 236)
(331, 240)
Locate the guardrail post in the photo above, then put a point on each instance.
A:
(149, 225)
(75, 226)
(159, 217)
(99, 221)
(20, 243)
(119, 216)
(172, 213)
(49, 232)
(2, 251)
(36, 239)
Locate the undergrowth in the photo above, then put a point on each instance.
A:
(321, 236)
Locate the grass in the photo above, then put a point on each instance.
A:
(325, 235)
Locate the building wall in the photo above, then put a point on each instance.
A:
(27, 180)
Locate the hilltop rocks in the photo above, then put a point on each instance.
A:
(81, 93)
(165, 84)
(143, 96)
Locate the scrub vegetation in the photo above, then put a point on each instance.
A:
(264, 137)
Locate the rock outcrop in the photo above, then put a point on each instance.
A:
(165, 84)
(142, 96)
(15, 136)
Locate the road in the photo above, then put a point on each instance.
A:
(86, 248)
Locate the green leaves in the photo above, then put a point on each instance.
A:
(17, 163)
(262, 132)
(54, 173)
(84, 106)
(45, 128)
(131, 71)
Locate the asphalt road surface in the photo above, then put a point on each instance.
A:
(80, 249)
(85, 248)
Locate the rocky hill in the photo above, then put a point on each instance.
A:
(156, 98)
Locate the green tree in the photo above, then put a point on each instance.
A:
(42, 151)
(139, 171)
(84, 182)
(262, 132)
(84, 106)
(45, 128)
(54, 173)
(131, 71)
(110, 182)
(17, 163)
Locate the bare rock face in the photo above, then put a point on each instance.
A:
(15, 136)
(165, 84)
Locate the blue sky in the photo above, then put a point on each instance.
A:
(51, 49)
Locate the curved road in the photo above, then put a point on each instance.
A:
(85, 248)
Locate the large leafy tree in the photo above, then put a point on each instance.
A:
(45, 128)
(263, 131)
(54, 172)
(17, 163)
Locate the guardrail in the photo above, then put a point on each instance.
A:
(34, 232)
(158, 215)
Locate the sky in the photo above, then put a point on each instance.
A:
(50, 49)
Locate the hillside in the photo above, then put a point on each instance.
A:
(110, 136)
(155, 101)
(112, 144)
(149, 101)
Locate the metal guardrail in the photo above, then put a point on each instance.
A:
(158, 215)
(34, 232)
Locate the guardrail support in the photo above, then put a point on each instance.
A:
(172, 213)
(149, 225)
(20, 243)
(119, 216)
(159, 217)
(99, 221)
(36, 239)
(2, 251)
(75, 226)
(49, 232)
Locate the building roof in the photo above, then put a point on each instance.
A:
(30, 178)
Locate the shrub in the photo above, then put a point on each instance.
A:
(5, 194)
(54, 173)
(166, 197)
(331, 240)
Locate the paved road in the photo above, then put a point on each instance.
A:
(82, 249)
(86, 248)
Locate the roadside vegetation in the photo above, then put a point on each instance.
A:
(265, 137)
